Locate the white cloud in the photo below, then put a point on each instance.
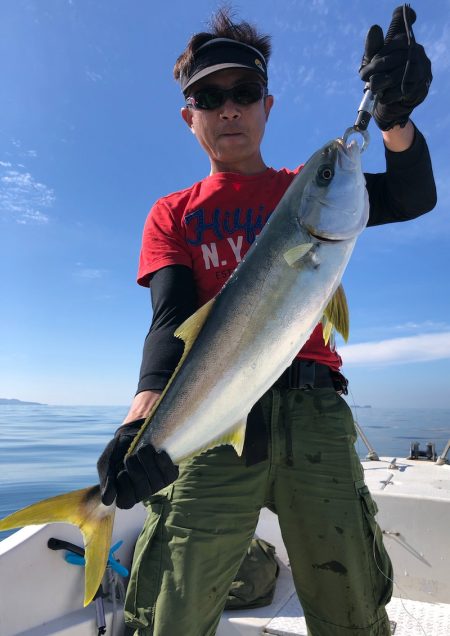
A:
(89, 273)
(33, 216)
(22, 198)
(438, 50)
(419, 348)
(376, 332)
(427, 325)
(317, 56)
(285, 78)
(93, 76)
(21, 151)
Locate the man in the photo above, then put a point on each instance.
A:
(299, 458)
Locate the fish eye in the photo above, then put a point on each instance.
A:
(325, 173)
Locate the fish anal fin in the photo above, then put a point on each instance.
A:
(234, 437)
(295, 254)
(336, 312)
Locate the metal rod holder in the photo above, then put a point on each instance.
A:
(442, 459)
(373, 455)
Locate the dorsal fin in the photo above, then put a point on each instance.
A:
(188, 332)
(337, 315)
(190, 328)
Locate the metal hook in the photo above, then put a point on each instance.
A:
(353, 130)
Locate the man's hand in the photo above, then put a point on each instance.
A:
(398, 72)
(134, 479)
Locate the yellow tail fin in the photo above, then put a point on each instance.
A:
(82, 508)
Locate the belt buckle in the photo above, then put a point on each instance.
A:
(302, 374)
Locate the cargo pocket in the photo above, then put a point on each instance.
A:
(147, 569)
(379, 561)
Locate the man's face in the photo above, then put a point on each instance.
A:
(230, 134)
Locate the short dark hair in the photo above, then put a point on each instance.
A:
(221, 25)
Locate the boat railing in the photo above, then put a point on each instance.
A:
(442, 459)
(415, 452)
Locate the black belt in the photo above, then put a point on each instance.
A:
(307, 374)
(301, 374)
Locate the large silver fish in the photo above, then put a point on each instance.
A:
(240, 342)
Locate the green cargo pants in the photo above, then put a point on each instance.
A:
(198, 529)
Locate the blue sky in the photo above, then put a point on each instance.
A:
(90, 137)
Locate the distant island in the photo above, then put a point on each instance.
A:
(17, 402)
(362, 406)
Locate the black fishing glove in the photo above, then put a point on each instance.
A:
(142, 474)
(397, 69)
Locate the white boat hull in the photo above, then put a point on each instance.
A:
(40, 594)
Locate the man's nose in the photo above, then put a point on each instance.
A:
(229, 110)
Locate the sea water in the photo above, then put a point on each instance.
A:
(48, 450)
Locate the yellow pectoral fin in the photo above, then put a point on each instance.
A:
(295, 254)
(336, 312)
(327, 328)
(82, 508)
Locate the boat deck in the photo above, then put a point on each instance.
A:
(408, 618)
(414, 515)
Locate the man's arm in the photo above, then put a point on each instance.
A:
(399, 139)
(398, 72)
(173, 301)
(141, 405)
(129, 479)
(407, 189)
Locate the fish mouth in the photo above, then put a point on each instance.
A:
(325, 239)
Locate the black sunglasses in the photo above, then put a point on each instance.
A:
(212, 97)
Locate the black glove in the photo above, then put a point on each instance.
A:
(397, 69)
(129, 481)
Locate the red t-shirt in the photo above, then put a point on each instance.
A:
(210, 226)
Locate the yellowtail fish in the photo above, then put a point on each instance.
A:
(240, 342)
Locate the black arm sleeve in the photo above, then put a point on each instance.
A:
(407, 189)
(173, 300)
